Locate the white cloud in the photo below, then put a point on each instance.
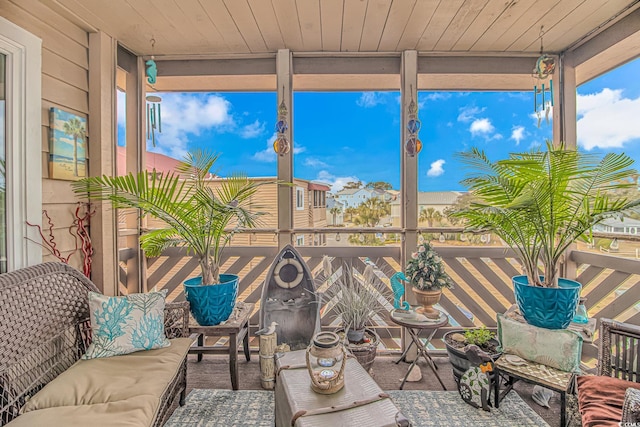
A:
(335, 182)
(481, 127)
(268, 155)
(517, 134)
(468, 113)
(436, 168)
(370, 99)
(437, 96)
(187, 114)
(606, 119)
(253, 130)
(313, 162)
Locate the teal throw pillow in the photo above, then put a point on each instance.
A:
(557, 348)
(123, 325)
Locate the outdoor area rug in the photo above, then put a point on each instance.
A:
(209, 408)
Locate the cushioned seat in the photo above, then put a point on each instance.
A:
(600, 400)
(133, 412)
(112, 379)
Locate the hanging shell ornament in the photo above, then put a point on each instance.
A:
(413, 145)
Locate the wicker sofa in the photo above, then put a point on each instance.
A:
(44, 329)
(601, 397)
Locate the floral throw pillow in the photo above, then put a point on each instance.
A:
(122, 325)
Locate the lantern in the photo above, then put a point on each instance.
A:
(326, 360)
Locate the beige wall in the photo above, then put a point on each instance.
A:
(65, 83)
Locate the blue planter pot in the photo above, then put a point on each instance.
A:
(212, 304)
(551, 308)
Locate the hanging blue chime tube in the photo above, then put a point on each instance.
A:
(551, 91)
(543, 107)
(148, 121)
(535, 99)
(159, 119)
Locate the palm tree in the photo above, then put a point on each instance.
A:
(351, 211)
(335, 211)
(371, 210)
(74, 128)
(540, 202)
(197, 217)
(429, 215)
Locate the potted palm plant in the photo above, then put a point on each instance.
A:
(196, 216)
(539, 203)
(425, 272)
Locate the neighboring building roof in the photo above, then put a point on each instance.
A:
(331, 202)
(628, 222)
(348, 191)
(320, 186)
(157, 161)
(435, 197)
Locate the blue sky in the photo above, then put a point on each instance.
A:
(345, 136)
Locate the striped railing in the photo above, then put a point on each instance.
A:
(482, 281)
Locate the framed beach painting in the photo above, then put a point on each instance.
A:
(67, 145)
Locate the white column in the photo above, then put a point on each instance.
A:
(285, 163)
(564, 100)
(102, 134)
(408, 164)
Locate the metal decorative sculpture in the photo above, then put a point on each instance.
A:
(152, 71)
(154, 122)
(413, 145)
(544, 68)
(398, 291)
(281, 145)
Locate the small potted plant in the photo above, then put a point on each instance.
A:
(456, 341)
(425, 272)
(353, 297)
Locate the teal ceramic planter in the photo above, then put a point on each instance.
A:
(551, 308)
(212, 304)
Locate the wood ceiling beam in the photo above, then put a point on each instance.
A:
(216, 67)
(617, 33)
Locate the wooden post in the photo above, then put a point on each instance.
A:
(409, 183)
(267, 363)
(285, 163)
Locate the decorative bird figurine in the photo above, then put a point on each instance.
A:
(268, 330)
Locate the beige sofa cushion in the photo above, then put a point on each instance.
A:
(133, 412)
(112, 379)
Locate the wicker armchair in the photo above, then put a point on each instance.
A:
(44, 329)
(618, 356)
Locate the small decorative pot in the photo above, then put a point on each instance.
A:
(326, 360)
(355, 335)
(427, 299)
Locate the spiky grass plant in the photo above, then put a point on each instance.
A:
(354, 297)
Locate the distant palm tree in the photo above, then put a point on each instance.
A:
(335, 211)
(74, 128)
(371, 210)
(430, 215)
(351, 212)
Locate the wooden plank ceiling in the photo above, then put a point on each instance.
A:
(213, 27)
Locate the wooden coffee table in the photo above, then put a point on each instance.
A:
(236, 328)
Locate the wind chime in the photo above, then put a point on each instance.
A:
(154, 122)
(281, 145)
(413, 145)
(545, 66)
